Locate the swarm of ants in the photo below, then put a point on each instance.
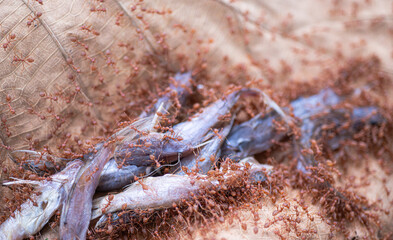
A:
(303, 165)
(221, 203)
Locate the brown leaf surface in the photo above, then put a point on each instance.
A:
(49, 43)
(281, 42)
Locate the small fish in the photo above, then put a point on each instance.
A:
(76, 211)
(252, 137)
(162, 192)
(257, 174)
(360, 118)
(153, 149)
(259, 133)
(311, 129)
(38, 162)
(31, 219)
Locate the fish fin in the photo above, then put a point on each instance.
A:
(37, 161)
(97, 201)
(21, 181)
(157, 118)
(44, 156)
(203, 143)
(272, 104)
(101, 221)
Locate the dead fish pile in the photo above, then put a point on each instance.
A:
(192, 148)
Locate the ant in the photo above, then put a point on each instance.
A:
(18, 59)
(89, 29)
(75, 40)
(8, 99)
(10, 38)
(4, 126)
(98, 9)
(215, 131)
(118, 18)
(32, 20)
(110, 198)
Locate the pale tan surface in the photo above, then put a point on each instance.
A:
(292, 31)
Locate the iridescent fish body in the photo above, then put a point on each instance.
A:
(259, 134)
(162, 192)
(76, 211)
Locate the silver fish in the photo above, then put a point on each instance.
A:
(162, 192)
(311, 128)
(259, 133)
(76, 212)
(31, 219)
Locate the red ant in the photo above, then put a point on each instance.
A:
(8, 99)
(110, 198)
(144, 186)
(17, 59)
(215, 131)
(118, 17)
(70, 62)
(31, 20)
(93, 67)
(10, 38)
(75, 40)
(4, 126)
(7, 148)
(90, 29)
(99, 9)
